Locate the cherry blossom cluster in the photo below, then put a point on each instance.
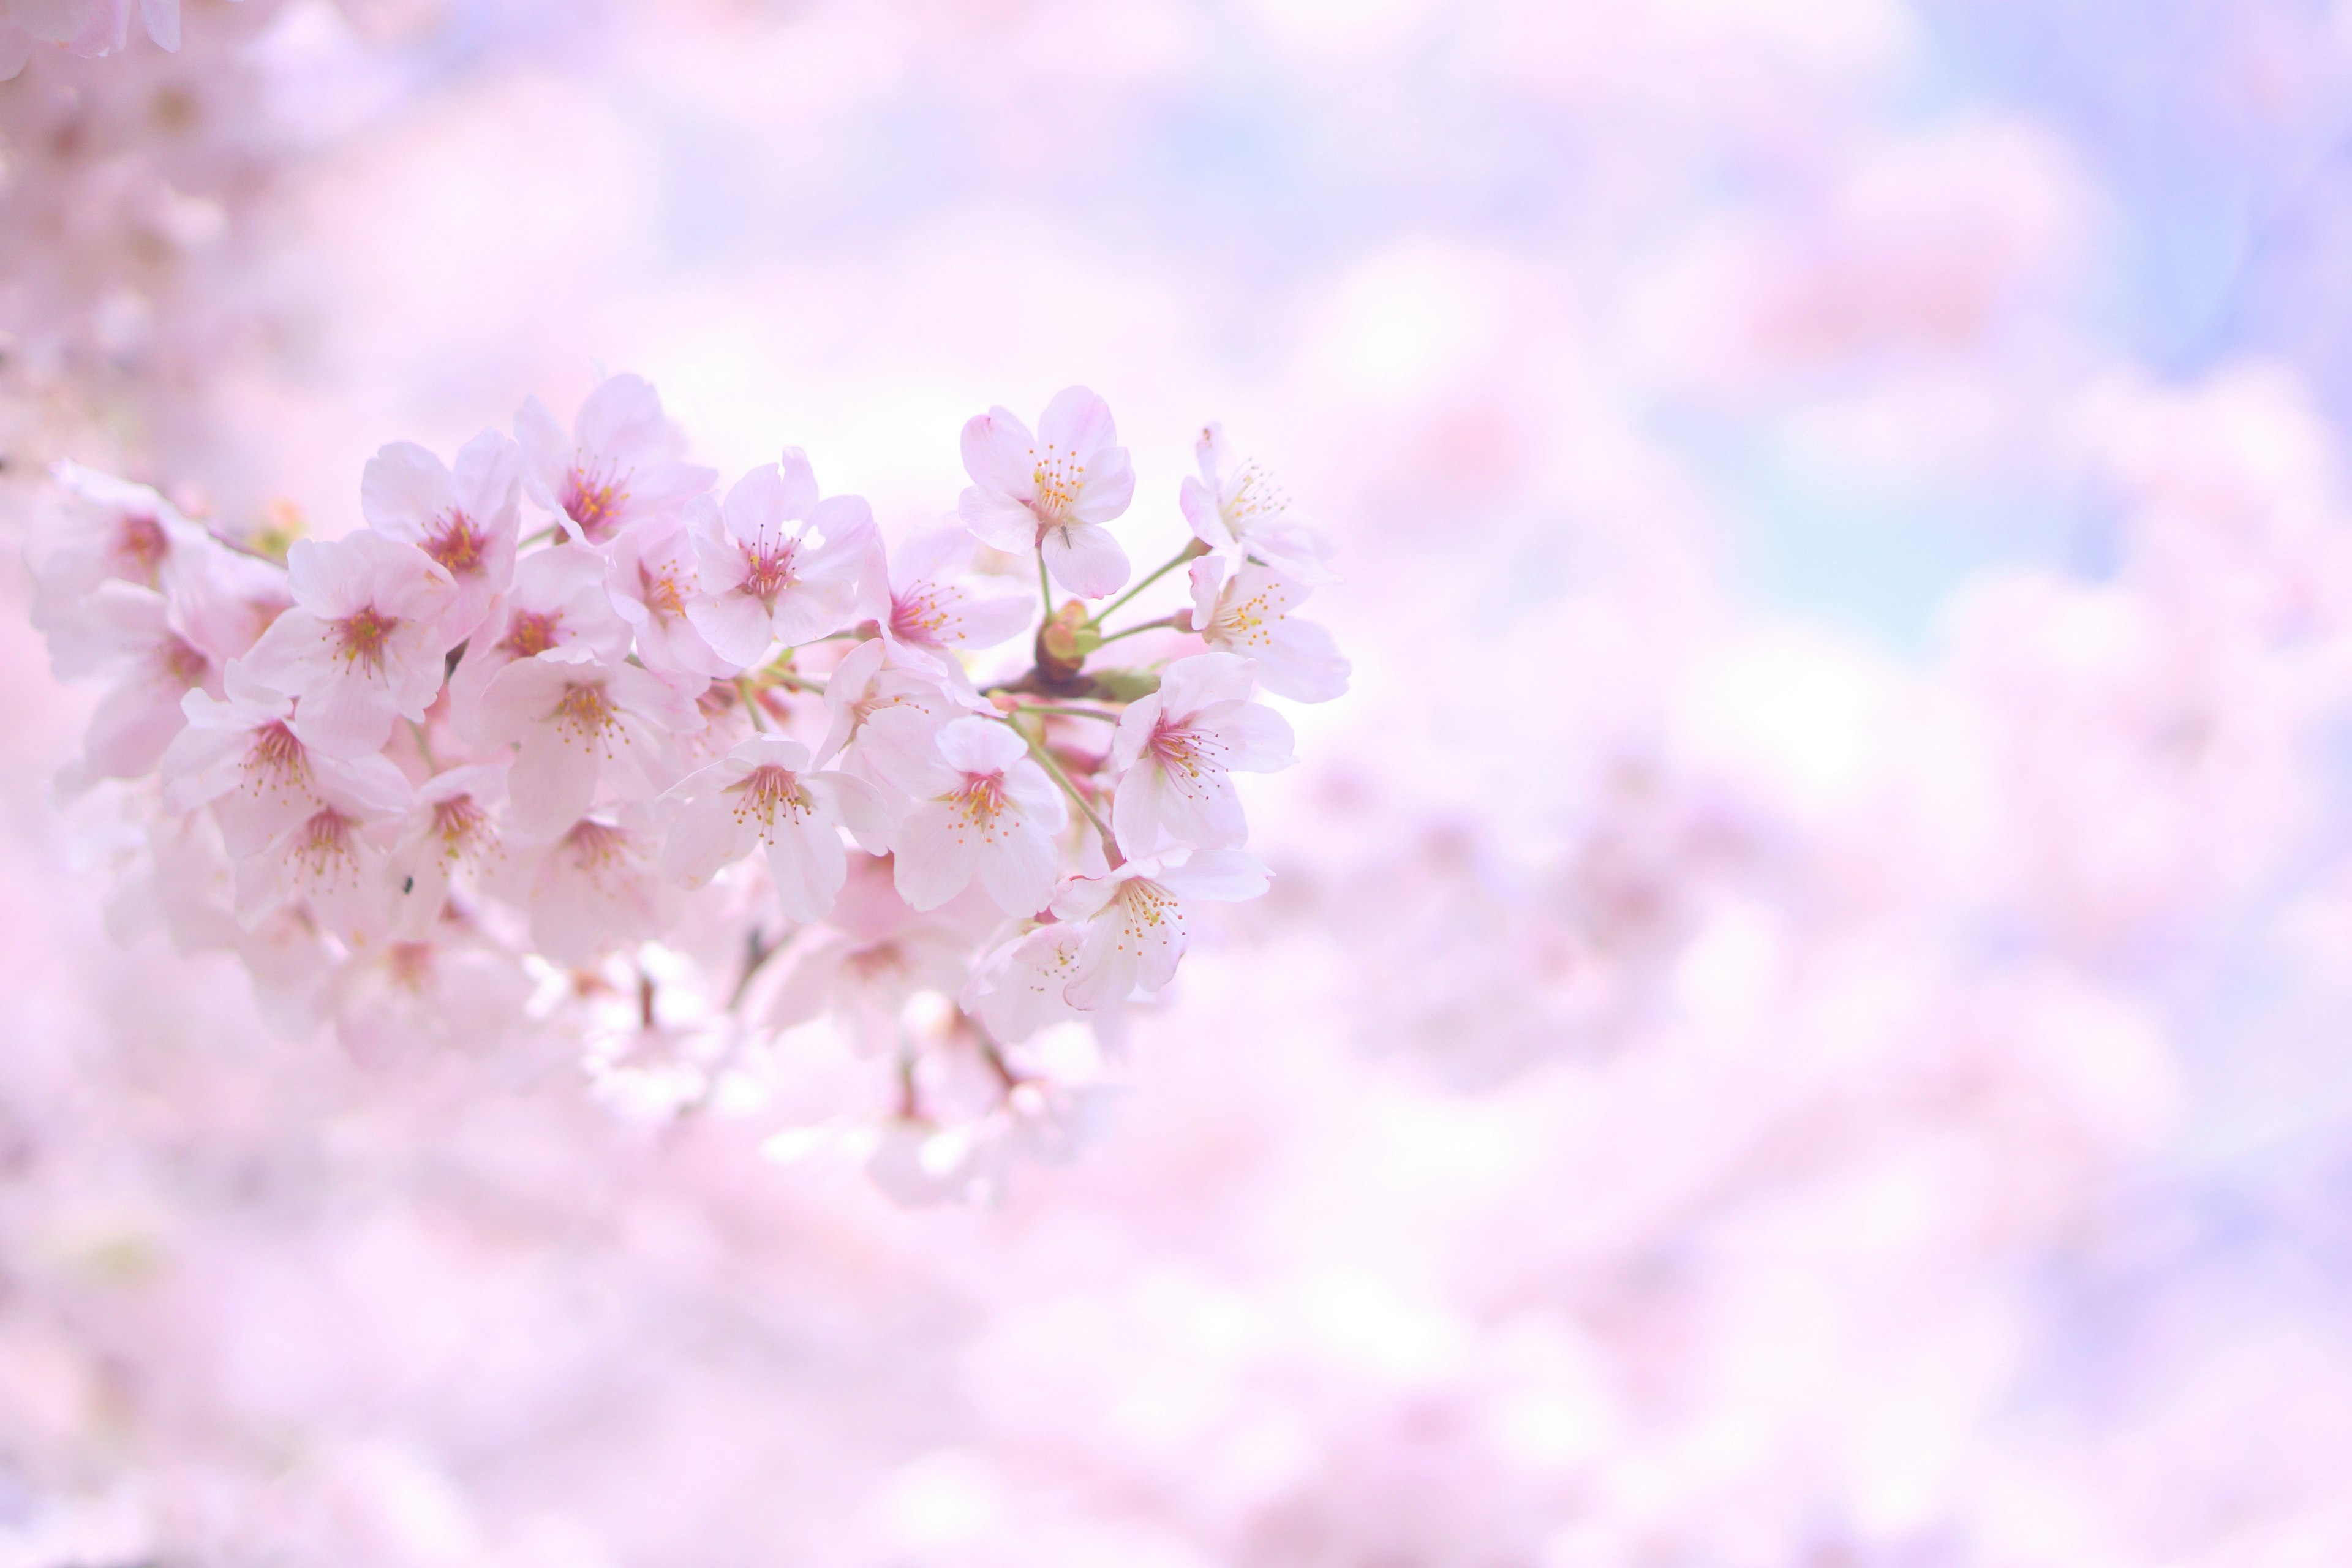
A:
(568, 739)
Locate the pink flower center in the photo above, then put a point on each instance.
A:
(326, 842)
(767, 790)
(182, 664)
(585, 710)
(276, 756)
(457, 822)
(138, 549)
(411, 964)
(664, 594)
(918, 617)
(595, 502)
(1057, 477)
(595, 846)
(768, 573)
(364, 635)
(460, 547)
(1186, 756)
(982, 800)
(530, 634)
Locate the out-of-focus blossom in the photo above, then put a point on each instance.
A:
(982, 810)
(1051, 493)
(619, 465)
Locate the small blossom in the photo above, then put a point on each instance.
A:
(363, 646)
(1177, 747)
(1053, 492)
(557, 602)
(467, 521)
(1235, 505)
(617, 468)
(402, 997)
(765, 793)
(128, 632)
(452, 831)
(778, 564)
(1249, 614)
(242, 755)
(1019, 989)
(983, 809)
(329, 861)
(868, 681)
(595, 887)
(1136, 922)
(99, 528)
(920, 602)
(652, 576)
(574, 716)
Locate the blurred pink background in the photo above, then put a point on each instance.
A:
(1802, 1018)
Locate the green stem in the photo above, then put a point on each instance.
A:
(1146, 626)
(1044, 586)
(1045, 759)
(751, 695)
(1192, 552)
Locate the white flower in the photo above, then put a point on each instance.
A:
(920, 602)
(128, 632)
(1177, 747)
(363, 644)
(652, 576)
(777, 562)
(329, 862)
(764, 793)
(619, 465)
(1241, 508)
(983, 809)
(1136, 924)
(467, 521)
(1019, 989)
(574, 716)
(98, 527)
(1249, 614)
(1051, 493)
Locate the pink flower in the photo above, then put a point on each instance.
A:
(557, 602)
(451, 830)
(983, 809)
(1249, 614)
(651, 577)
(618, 466)
(868, 681)
(99, 528)
(764, 793)
(574, 715)
(1018, 990)
(594, 889)
(1053, 492)
(916, 597)
(1178, 746)
(404, 995)
(363, 644)
(1135, 920)
(242, 756)
(467, 521)
(1243, 509)
(128, 632)
(329, 862)
(778, 564)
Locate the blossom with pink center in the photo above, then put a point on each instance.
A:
(467, 521)
(576, 718)
(1235, 505)
(1136, 924)
(98, 528)
(330, 861)
(451, 831)
(765, 793)
(1019, 989)
(870, 680)
(778, 562)
(921, 600)
(595, 888)
(1249, 614)
(1053, 492)
(557, 602)
(243, 756)
(874, 955)
(363, 644)
(128, 633)
(651, 574)
(618, 466)
(1176, 748)
(983, 809)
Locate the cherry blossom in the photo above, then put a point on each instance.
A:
(86, 27)
(1021, 987)
(1236, 506)
(363, 644)
(453, 830)
(99, 528)
(983, 809)
(558, 601)
(1249, 614)
(401, 996)
(574, 716)
(1135, 918)
(653, 575)
(329, 861)
(1177, 747)
(872, 680)
(596, 886)
(766, 795)
(468, 521)
(126, 633)
(618, 466)
(1051, 493)
(921, 599)
(777, 562)
(242, 755)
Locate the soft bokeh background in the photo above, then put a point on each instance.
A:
(1801, 1023)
